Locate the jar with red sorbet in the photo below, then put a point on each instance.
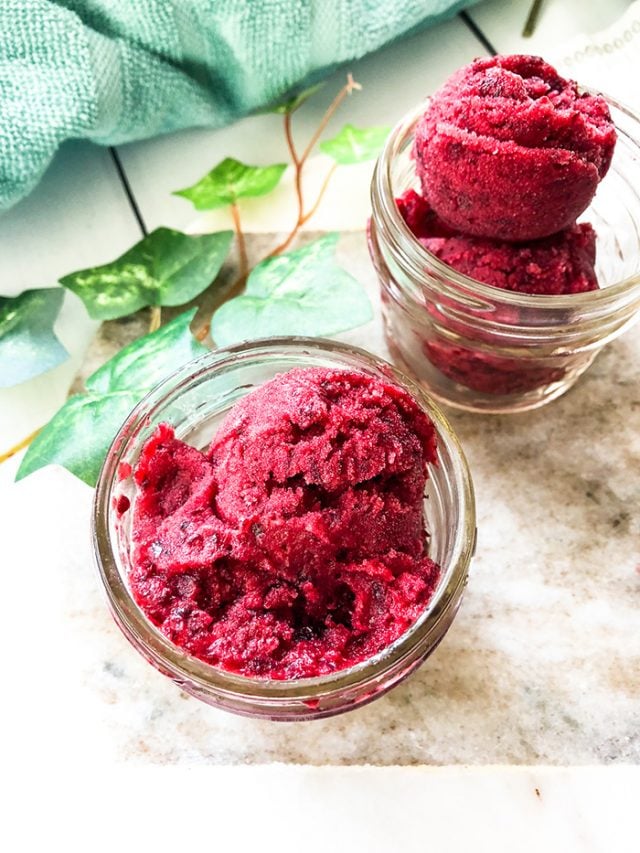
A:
(505, 232)
(285, 528)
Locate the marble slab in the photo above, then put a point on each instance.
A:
(541, 666)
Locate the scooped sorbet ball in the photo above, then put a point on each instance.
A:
(297, 545)
(509, 149)
(558, 265)
(554, 266)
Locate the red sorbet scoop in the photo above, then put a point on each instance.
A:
(296, 546)
(556, 265)
(509, 149)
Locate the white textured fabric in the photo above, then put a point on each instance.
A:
(609, 60)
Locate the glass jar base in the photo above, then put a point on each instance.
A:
(457, 396)
(194, 401)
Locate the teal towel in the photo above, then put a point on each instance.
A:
(117, 70)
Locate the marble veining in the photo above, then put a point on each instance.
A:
(542, 664)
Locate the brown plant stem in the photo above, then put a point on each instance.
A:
(296, 162)
(323, 190)
(235, 290)
(155, 318)
(237, 287)
(242, 245)
(203, 331)
(299, 161)
(286, 242)
(303, 216)
(25, 442)
(349, 87)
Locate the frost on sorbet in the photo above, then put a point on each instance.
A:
(558, 265)
(294, 546)
(509, 149)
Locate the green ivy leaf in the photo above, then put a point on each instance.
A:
(295, 102)
(28, 345)
(165, 268)
(355, 145)
(301, 293)
(231, 180)
(148, 360)
(79, 434)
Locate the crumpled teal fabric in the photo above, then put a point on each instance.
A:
(118, 70)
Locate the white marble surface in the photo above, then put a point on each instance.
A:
(541, 666)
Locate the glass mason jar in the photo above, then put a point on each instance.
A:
(478, 347)
(194, 400)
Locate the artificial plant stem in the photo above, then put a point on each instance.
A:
(235, 290)
(302, 220)
(243, 267)
(288, 133)
(532, 18)
(242, 246)
(19, 446)
(297, 166)
(155, 318)
(349, 87)
(286, 242)
(299, 161)
(203, 331)
(323, 190)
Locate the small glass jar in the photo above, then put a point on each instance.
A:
(193, 401)
(480, 348)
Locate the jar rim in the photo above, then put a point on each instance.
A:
(417, 257)
(184, 667)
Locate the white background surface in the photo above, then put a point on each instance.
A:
(280, 809)
(80, 215)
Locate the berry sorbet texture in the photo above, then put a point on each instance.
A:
(295, 546)
(509, 149)
(559, 265)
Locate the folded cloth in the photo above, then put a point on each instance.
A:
(117, 70)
